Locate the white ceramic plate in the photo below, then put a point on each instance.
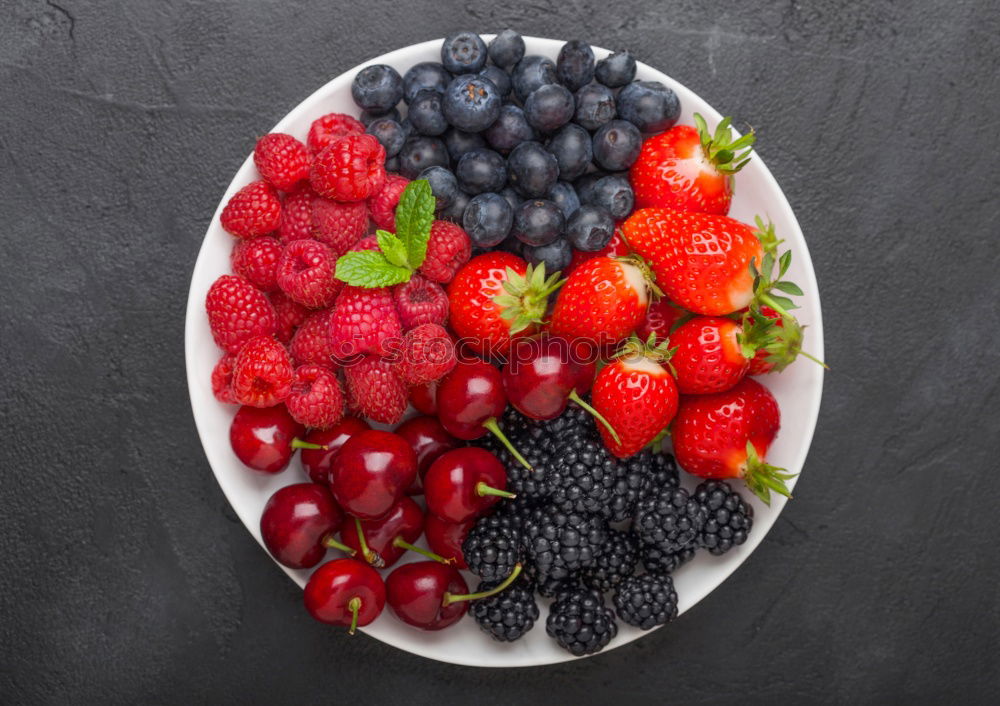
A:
(798, 389)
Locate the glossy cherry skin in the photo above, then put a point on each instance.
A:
(296, 520)
(428, 439)
(469, 395)
(416, 594)
(262, 437)
(452, 485)
(372, 471)
(405, 520)
(319, 462)
(334, 585)
(445, 538)
(424, 398)
(542, 373)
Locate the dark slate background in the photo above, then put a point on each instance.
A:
(126, 578)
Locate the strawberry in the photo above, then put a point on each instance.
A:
(497, 297)
(661, 316)
(375, 390)
(712, 354)
(688, 169)
(637, 395)
(615, 246)
(727, 435)
(602, 301)
(783, 345)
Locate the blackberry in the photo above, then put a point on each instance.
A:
(621, 554)
(646, 601)
(508, 615)
(663, 472)
(657, 561)
(729, 518)
(669, 520)
(584, 476)
(580, 622)
(632, 483)
(559, 543)
(493, 546)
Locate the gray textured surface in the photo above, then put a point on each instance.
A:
(127, 579)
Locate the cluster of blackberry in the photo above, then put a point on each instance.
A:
(583, 524)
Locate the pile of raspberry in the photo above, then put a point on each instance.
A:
(290, 331)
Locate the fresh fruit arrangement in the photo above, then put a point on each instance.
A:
(481, 311)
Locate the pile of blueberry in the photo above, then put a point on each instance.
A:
(527, 154)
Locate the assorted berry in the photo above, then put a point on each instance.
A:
(538, 259)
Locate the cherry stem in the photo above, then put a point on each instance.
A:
(483, 489)
(597, 415)
(371, 557)
(494, 428)
(329, 541)
(403, 544)
(449, 598)
(354, 605)
(299, 444)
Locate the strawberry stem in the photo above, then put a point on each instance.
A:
(492, 426)
(597, 415)
(483, 489)
(451, 598)
(403, 544)
(354, 605)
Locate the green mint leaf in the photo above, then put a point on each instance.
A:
(369, 269)
(414, 216)
(392, 247)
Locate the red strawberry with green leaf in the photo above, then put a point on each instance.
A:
(712, 353)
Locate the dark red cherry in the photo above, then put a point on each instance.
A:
(424, 398)
(428, 439)
(264, 438)
(383, 541)
(373, 470)
(319, 462)
(445, 538)
(465, 483)
(345, 592)
(299, 523)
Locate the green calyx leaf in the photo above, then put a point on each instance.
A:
(761, 478)
(765, 281)
(414, 217)
(780, 338)
(728, 154)
(526, 297)
(766, 235)
(658, 352)
(370, 268)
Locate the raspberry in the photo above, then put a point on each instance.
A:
(282, 160)
(306, 273)
(257, 260)
(374, 389)
(448, 249)
(238, 311)
(339, 225)
(311, 343)
(296, 215)
(222, 379)
(316, 399)
(427, 354)
(364, 321)
(369, 242)
(420, 301)
(330, 128)
(382, 204)
(290, 314)
(262, 375)
(350, 169)
(253, 210)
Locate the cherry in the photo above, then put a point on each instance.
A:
(464, 483)
(428, 439)
(470, 400)
(345, 592)
(383, 541)
(374, 469)
(446, 538)
(433, 596)
(299, 523)
(424, 398)
(264, 438)
(319, 462)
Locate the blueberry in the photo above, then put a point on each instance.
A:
(368, 117)
(590, 229)
(463, 53)
(530, 74)
(649, 105)
(513, 198)
(595, 106)
(443, 183)
(617, 145)
(616, 70)
(425, 76)
(575, 65)
(499, 77)
(481, 170)
(425, 114)
(614, 194)
(573, 150)
(556, 255)
(459, 142)
(532, 169)
(509, 129)
(418, 153)
(506, 49)
(513, 246)
(377, 88)
(390, 133)
(487, 219)
(585, 186)
(564, 196)
(471, 103)
(392, 164)
(549, 108)
(538, 222)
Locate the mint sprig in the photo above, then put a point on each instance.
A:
(400, 253)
